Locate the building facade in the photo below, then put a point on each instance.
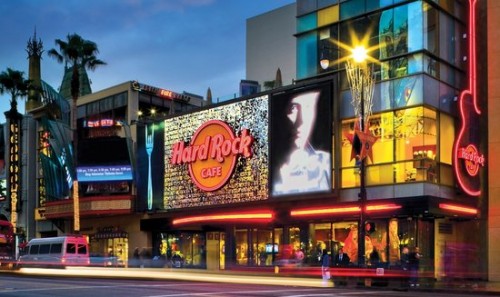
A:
(274, 178)
(424, 173)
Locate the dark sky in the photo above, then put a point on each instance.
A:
(180, 45)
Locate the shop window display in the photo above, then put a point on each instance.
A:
(407, 147)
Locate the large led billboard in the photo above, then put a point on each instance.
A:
(301, 134)
(210, 157)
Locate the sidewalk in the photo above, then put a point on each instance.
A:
(307, 278)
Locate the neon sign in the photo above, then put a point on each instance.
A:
(14, 170)
(212, 154)
(167, 94)
(467, 159)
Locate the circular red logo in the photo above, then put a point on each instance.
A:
(212, 154)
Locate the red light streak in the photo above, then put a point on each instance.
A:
(458, 208)
(382, 207)
(342, 210)
(261, 216)
(323, 211)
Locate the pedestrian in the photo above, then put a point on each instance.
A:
(405, 266)
(325, 265)
(136, 258)
(342, 260)
(414, 263)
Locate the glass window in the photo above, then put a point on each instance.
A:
(386, 36)
(381, 126)
(400, 41)
(431, 66)
(71, 248)
(446, 138)
(345, 235)
(241, 238)
(431, 87)
(44, 249)
(351, 8)
(34, 249)
(325, 3)
(406, 91)
(307, 22)
(56, 248)
(376, 237)
(307, 55)
(328, 15)
(375, 4)
(82, 249)
(262, 249)
(305, 6)
(447, 37)
(415, 29)
(430, 25)
(447, 98)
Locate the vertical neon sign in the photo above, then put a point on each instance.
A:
(14, 163)
(467, 159)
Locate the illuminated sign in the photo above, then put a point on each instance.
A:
(99, 123)
(212, 154)
(467, 158)
(104, 173)
(14, 170)
(253, 216)
(167, 94)
(188, 170)
(473, 160)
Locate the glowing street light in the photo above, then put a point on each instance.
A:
(361, 83)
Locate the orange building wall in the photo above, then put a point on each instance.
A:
(493, 16)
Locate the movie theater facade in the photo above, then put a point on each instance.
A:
(274, 178)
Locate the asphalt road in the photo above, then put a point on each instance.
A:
(29, 286)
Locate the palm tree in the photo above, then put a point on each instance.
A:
(79, 54)
(13, 82)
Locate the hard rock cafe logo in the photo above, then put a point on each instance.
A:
(212, 154)
(472, 158)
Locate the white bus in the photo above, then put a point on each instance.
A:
(58, 251)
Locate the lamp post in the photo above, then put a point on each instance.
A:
(361, 83)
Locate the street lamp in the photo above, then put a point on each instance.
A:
(361, 83)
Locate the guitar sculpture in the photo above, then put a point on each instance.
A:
(467, 159)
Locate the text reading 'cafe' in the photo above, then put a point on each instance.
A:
(274, 179)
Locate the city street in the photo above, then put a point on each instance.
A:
(26, 286)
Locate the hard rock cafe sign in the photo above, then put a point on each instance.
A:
(212, 154)
(467, 157)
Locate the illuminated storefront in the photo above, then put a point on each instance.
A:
(272, 179)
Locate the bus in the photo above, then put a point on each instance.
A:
(61, 251)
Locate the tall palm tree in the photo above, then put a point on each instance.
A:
(13, 82)
(78, 53)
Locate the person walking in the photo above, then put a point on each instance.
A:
(414, 263)
(325, 266)
(342, 260)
